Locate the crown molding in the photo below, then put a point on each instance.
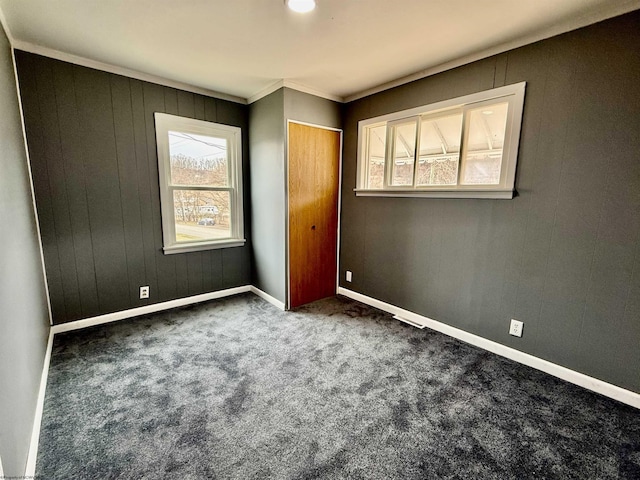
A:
(311, 91)
(127, 72)
(265, 91)
(5, 26)
(293, 86)
(603, 13)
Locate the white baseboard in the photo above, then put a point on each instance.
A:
(577, 378)
(590, 383)
(30, 470)
(155, 307)
(265, 296)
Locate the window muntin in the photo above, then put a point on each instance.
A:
(403, 151)
(376, 148)
(439, 149)
(200, 167)
(464, 147)
(485, 130)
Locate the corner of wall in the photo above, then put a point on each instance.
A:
(25, 324)
(267, 174)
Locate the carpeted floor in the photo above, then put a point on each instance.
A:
(238, 389)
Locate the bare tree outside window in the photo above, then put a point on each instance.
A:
(200, 161)
(199, 176)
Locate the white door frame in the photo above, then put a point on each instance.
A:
(286, 200)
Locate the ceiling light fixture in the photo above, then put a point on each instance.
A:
(301, 6)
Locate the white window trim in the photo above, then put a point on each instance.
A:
(165, 123)
(514, 94)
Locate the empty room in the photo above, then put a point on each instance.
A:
(336, 239)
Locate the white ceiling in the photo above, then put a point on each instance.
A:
(245, 47)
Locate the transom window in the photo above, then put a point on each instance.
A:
(464, 147)
(200, 167)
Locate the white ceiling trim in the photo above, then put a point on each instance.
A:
(603, 13)
(312, 91)
(106, 67)
(5, 26)
(293, 86)
(266, 91)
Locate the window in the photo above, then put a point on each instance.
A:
(200, 167)
(464, 147)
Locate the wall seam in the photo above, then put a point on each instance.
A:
(86, 195)
(117, 158)
(557, 202)
(31, 186)
(66, 189)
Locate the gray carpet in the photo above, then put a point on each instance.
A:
(238, 389)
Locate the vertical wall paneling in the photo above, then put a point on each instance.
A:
(356, 212)
(57, 187)
(34, 131)
(500, 72)
(165, 264)
(75, 173)
(556, 105)
(605, 330)
(562, 256)
(234, 267)
(144, 185)
(95, 114)
(198, 107)
(129, 191)
(210, 114)
(91, 137)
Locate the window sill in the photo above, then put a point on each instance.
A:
(490, 194)
(197, 247)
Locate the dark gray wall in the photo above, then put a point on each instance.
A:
(93, 153)
(24, 316)
(564, 255)
(266, 134)
(307, 108)
(268, 142)
(304, 107)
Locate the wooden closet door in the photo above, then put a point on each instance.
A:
(314, 163)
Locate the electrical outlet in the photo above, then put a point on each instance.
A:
(349, 276)
(144, 292)
(516, 328)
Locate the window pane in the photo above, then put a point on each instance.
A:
(404, 149)
(198, 159)
(439, 150)
(201, 215)
(376, 149)
(485, 139)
